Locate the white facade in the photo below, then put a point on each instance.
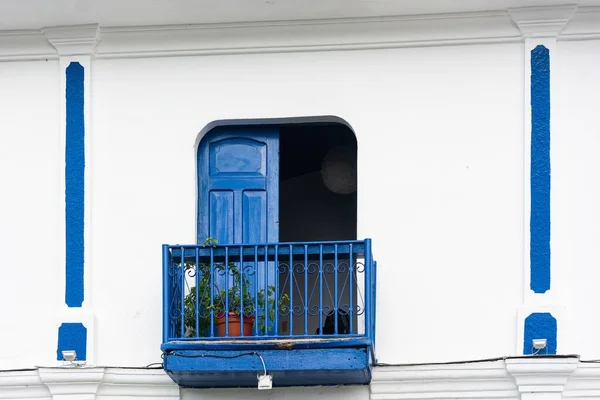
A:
(440, 107)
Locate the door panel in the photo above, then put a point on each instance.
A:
(255, 217)
(238, 175)
(238, 156)
(222, 212)
(238, 196)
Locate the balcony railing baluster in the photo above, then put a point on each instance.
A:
(211, 271)
(291, 289)
(197, 290)
(241, 269)
(226, 309)
(351, 289)
(335, 290)
(321, 271)
(255, 291)
(182, 269)
(276, 294)
(305, 289)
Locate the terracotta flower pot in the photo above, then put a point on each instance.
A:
(234, 325)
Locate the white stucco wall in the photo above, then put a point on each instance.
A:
(441, 189)
(30, 212)
(575, 191)
(440, 183)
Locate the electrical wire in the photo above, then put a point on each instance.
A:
(378, 364)
(263, 363)
(252, 353)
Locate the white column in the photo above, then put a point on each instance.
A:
(541, 378)
(539, 26)
(72, 383)
(75, 44)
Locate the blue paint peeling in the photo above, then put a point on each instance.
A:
(74, 184)
(72, 336)
(540, 326)
(540, 170)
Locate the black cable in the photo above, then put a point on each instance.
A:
(211, 355)
(252, 353)
(480, 360)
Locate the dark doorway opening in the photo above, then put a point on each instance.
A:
(317, 183)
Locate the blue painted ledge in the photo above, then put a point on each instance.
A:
(303, 367)
(205, 364)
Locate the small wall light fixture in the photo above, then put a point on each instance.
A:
(69, 355)
(265, 381)
(539, 344)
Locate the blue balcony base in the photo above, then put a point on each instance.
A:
(289, 367)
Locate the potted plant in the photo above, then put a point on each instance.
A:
(237, 300)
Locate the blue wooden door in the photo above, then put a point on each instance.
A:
(238, 200)
(238, 176)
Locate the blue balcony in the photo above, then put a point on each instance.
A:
(302, 312)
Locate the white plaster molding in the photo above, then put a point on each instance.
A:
(541, 376)
(264, 37)
(584, 383)
(122, 383)
(545, 21)
(72, 382)
(513, 378)
(584, 25)
(24, 384)
(481, 380)
(73, 40)
(25, 45)
(565, 22)
(313, 35)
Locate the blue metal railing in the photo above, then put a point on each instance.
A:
(267, 291)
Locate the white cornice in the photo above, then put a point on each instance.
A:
(264, 37)
(584, 383)
(73, 40)
(25, 384)
(499, 379)
(25, 45)
(584, 25)
(542, 21)
(313, 35)
(128, 382)
(482, 380)
(76, 383)
(565, 22)
(541, 374)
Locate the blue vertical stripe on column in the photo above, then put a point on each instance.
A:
(74, 184)
(540, 170)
